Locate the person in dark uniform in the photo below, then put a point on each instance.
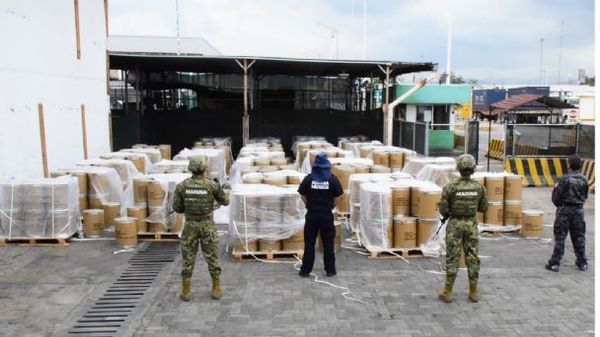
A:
(320, 191)
(569, 195)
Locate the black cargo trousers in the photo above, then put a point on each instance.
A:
(313, 226)
(569, 220)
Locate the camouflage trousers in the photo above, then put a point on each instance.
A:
(462, 234)
(205, 234)
(569, 220)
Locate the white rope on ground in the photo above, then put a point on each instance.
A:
(124, 250)
(295, 264)
(346, 291)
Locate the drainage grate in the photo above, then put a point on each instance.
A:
(108, 314)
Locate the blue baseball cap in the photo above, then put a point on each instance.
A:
(322, 161)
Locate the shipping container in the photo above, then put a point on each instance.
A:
(542, 91)
(483, 98)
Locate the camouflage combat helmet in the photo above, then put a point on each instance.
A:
(466, 163)
(197, 165)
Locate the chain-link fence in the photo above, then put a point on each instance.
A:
(549, 140)
(585, 141)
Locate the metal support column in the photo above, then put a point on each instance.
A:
(246, 117)
(388, 116)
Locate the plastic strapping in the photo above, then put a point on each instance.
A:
(383, 242)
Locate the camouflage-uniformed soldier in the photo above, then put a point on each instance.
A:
(195, 197)
(569, 195)
(460, 202)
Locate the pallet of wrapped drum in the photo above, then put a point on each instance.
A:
(257, 159)
(386, 224)
(39, 211)
(153, 199)
(265, 222)
(223, 143)
(99, 186)
(396, 219)
(152, 152)
(303, 145)
(215, 161)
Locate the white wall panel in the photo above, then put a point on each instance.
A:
(39, 64)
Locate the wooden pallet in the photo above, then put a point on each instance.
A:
(408, 253)
(497, 230)
(240, 255)
(165, 236)
(54, 242)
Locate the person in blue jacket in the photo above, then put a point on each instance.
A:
(320, 191)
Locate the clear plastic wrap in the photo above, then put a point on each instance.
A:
(213, 141)
(437, 173)
(376, 225)
(264, 212)
(300, 148)
(164, 214)
(354, 185)
(126, 171)
(246, 159)
(153, 153)
(216, 161)
(306, 167)
(415, 164)
(140, 161)
(306, 139)
(217, 143)
(342, 141)
(276, 178)
(169, 166)
(331, 152)
(39, 208)
(355, 146)
(375, 218)
(264, 140)
(104, 185)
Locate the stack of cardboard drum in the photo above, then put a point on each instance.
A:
(266, 218)
(505, 204)
(39, 208)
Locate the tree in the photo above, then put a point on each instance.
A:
(456, 79)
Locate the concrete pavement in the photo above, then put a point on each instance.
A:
(44, 290)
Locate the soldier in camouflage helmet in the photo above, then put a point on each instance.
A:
(461, 200)
(195, 197)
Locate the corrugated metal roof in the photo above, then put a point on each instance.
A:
(263, 65)
(515, 101)
(531, 103)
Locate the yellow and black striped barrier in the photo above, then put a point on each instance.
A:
(589, 171)
(537, 172)
(545, 171)
(496, 149)
(526, 150)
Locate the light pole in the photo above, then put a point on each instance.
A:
(177, 26)
(541, 59)
(364, 29)
(334, 33)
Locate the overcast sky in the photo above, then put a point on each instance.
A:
(494, 41)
